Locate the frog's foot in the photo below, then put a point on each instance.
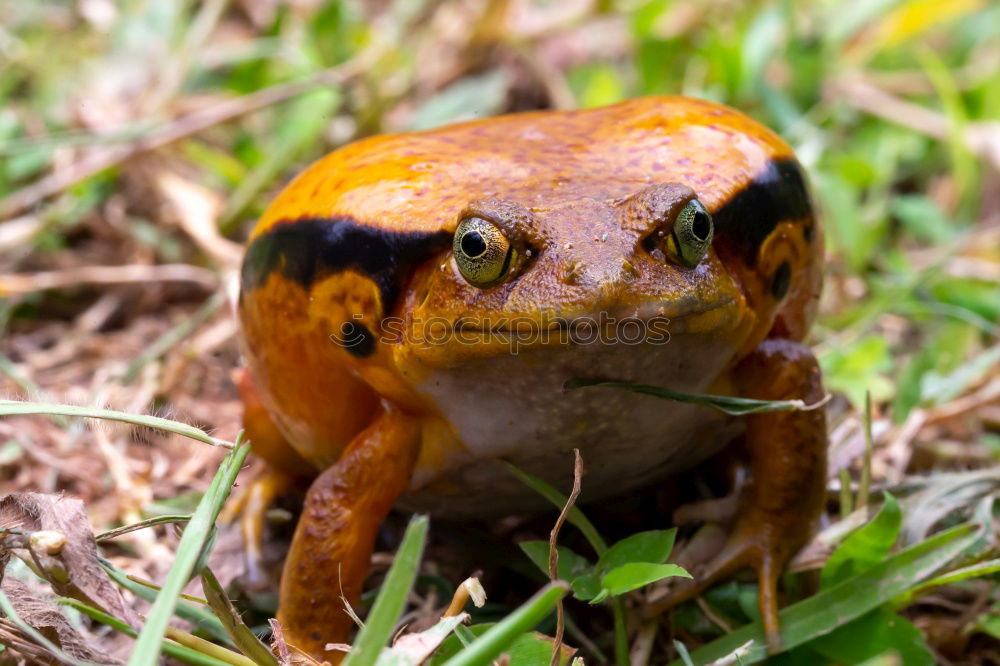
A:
(766, 548)
(784, 498)
(333, 542)
(250, 507)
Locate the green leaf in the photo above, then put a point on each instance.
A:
(646, 16)
(923, 218)
(587, 586)
(596, 84)
(979, 296)
(574, 568)
(941, 389)
(857, 368)
(909, 381)
(634, 575)
(570, 564)
(866, 546)
(842, 603)
(503, 634)
(876, 633)
(391, 598)
(989, 624)
(528, 649)
(147, 646)
(726, 404)
(653, 547)
(536, 648)
(763, 37)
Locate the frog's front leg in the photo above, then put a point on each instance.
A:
(333, 541)
(780, 506)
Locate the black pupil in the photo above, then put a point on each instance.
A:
(701, 226)
(473, 244)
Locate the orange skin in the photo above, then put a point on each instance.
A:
(365, 235)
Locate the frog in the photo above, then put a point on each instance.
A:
(412, 305)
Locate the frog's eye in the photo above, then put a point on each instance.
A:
(692, 234)
(483, 252)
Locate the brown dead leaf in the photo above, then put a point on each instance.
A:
(52, 624)
(76, 570)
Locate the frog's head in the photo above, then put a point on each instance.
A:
(661, 216)
(623, 269)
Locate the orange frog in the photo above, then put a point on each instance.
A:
(412, 305)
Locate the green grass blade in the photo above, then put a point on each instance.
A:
(850, 599)
(978, 570)
(488, 646)
(18, 407)
(575, 516)
(391, 599)
(683, 652)
(147, 646)
(178, 652)
(240, 633)
(150, 522)
(199, 616)
(727, 404)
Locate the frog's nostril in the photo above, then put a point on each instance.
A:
(629, 271)
(571, 273)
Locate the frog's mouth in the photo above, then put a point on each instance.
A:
(521, 326)
(551, 320)
(467, 337)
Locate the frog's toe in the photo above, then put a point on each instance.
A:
(705, 571)
(739, 552)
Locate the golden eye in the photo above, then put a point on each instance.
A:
(692, 234)
(482, 251)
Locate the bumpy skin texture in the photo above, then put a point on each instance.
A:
(354, 258)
